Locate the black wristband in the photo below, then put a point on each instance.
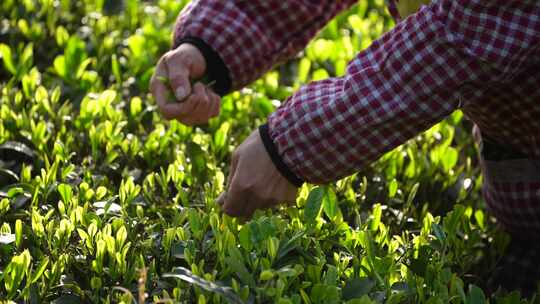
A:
(216, 70)
(276, 158)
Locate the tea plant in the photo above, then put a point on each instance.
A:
(101, 200)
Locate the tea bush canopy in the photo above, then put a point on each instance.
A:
(102, 200)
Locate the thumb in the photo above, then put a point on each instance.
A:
(178, 72)
(179, 81)
(184, 64)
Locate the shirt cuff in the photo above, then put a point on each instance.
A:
(216, 70)
(276, 158)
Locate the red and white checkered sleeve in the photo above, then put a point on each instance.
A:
(392, 8)
(244, 39)
(405, 82)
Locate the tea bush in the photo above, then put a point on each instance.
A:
(102, 200)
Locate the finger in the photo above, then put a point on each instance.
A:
(237, 195)
(232, 170)
(235, 201)
(200, 113)
(170, 110)
(178, 74)
(249, 210)
(159, 73)
(216, 105)
(202, 108)
(186, 115)
(267, 203)
(290, 197)
(161, 94)
(180, 111)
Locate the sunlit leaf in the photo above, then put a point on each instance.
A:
(7, 238)
(313, 204)
(330, 204)
(187, 276)
(7, 57)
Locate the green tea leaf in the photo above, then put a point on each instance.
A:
(449, 159)
(7, 57)
(303, 69)
(324, 294)
(40, 270)
(412, 194)
(220, 137)
(313, 204)
(244, 237)
(18, 232)
(65, 192)
(439, 233)
(236, 262)
(330, 205)
(476, 295)
(392, 188)
(480, 219)
(376, 217)
(287, 245)
(185, 275)
(357, 287)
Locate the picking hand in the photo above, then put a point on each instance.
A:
(174, 71)
(253, 181)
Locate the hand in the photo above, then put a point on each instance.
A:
(174, 71)
(254, 182)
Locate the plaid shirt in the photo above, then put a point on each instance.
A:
(480, 56)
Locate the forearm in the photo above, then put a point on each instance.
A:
(405, 82)
(244, 39)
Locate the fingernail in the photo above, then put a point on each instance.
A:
(180, 93)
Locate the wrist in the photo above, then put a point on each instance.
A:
(276, 158)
